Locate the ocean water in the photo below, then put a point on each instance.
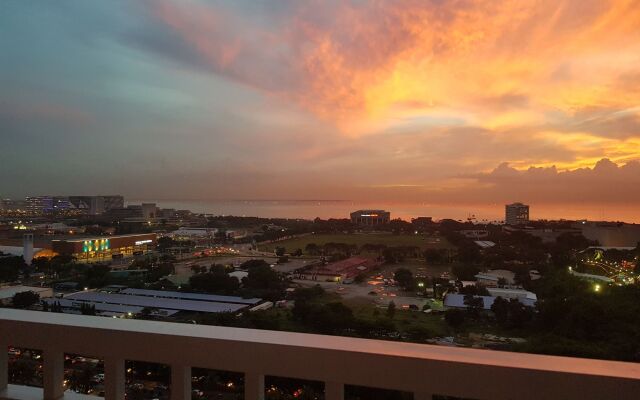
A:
(310, 209)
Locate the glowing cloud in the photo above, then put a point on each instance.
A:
(352, 60)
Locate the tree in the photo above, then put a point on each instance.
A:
(474, 305)
(476, 290)
(41, 264)
(454, 317)
(164, 243)
(10, 268)
(25, 299)
(262, 277)
(221, 236)
(405, 278)
(283, 260)
(308, 294)
(160, 270)
(522, 277)
(87, 309)
(519, 314)
(264, 282)
(391, 309)
(146, 311)
(312, 249)
(434, 256)
(389, 256)
(96, 276)
(500, 309)
(215, 281)
(254, 263)
(280, 251)
(465, 272)
(469, 254)
(333, 317)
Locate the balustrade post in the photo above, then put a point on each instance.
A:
(253, 386)
(333, 391)
(180, 382)
(53, 374)
(114, 379)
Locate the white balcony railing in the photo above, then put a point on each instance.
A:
(422, 369)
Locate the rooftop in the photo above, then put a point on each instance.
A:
(110, 237)
(155, 302)
(191, 296)
(456, 300)
(9, 291)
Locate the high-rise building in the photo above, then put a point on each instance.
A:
(38, 204)
(113, 201)
(516, 214)
(149, 210)
(95, 205)
(27, 243)
(46, 204)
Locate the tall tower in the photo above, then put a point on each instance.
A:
(516, 214)
(27, 243)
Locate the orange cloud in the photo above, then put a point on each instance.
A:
(559, 73)
(350, 58)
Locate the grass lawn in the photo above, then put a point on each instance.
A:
(405, 321)
(359, 239)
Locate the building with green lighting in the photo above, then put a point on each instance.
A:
(105, 248)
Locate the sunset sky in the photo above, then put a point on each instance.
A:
(441, 101)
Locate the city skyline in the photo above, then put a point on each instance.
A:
(445, 102)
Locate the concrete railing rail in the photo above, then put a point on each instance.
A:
(424, 370)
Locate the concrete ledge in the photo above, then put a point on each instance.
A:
(410, 367)
(18, 392)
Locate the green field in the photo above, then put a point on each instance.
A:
(359, 239)
(405, 321)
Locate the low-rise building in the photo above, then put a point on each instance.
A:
(490, 278)
(370, 217)
(104, 248)
(157, 302)
(519, 294)
(476, 234)
(7, 292)
(456, 300)
(484, 244)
